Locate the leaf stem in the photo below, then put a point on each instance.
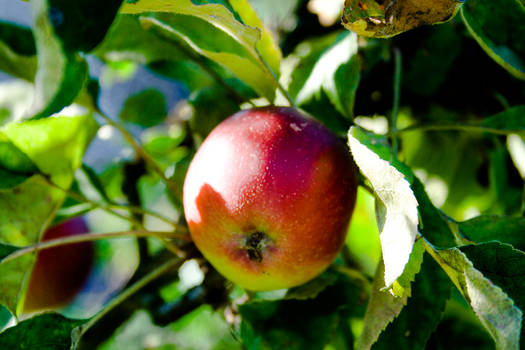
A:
(88, 237)
(274, 76)
(157, 272)
(454, 127)
(397, 98)
(136, 146)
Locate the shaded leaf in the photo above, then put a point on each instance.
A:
(127, 40)
(300, 324)
(17, 51)
(60, 75)
(510, 120)
(383, 306)
(146, 108)
(412, 328)
(212, 31)
(15, 166)
(81, 25)
(491, 304)
(43, 332)
(398, 223)
(488, 228)
(499, 27)
(5, 250)
(505, 267)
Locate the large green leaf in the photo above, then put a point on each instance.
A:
(55, 145)
(300, 324)
(43, 332)
(499, 28)
(212, 31)
(330, 65)
(505, 267)
(488, 228)
(510, 120)
(432, 224)
(384, 305)
(418, 319)
(60, 75)
(496, 311)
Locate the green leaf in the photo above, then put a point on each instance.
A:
(432, 225)
(267, 47)
(213, 32)
(18, 38)
(15, 165)
(398, 219)
(384, 306)
(412, 328)
(43, 332)
(300, 324)
(210, 106)
(60, 75)
(491, 304)
(17, 51)
(499, 28)
(147, 108)
(5, 250)
(505, 267)
(127, 40)
(313, 288)
(81, 25)
(330, 66)
(56, 146)
(510, 120)
(488, 228)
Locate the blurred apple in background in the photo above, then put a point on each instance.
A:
(59, 273)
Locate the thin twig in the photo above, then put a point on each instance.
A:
(88, 237)
(453, 127)
(136, 146)
(83, 199)
(156, 273)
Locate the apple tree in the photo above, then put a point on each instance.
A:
(368, 191)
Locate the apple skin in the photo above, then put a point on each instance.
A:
(59, 273)
(269, 196)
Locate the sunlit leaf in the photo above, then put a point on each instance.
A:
(505, 267)
(212, 31)
(496, 311)
(384, 19)
(399, 222)
(56, 146)
(15, 166)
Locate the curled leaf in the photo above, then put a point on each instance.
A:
(386, 18)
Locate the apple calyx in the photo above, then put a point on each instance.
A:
(254, 245)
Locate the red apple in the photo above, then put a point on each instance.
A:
(268, 198)
(59, 273)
